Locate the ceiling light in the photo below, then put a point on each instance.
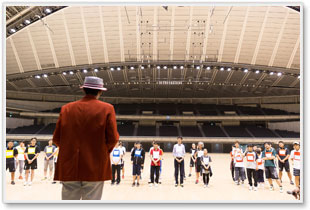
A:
(181, 67)
(158, 67)
(118, 68)
(132, 68)
(64, 73)
(45, 75)
(165, 67)
(245, 70)
(112, 68)
(38, 76)
(96, 70)
(142, 67)
(228, 69)
(27, 22)
(85, 71)
(12, 30)
(279, 74)
(222, 69)
(47, 10)
(271, 73)
(208, 68)
(71, 72)
(175, 67)
(197, 67)
(257, 72)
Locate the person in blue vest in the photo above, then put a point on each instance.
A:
(137, 160)
(11, 155)
(116, 164)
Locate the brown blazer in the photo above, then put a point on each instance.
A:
(85, 133)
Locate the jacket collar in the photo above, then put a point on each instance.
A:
(89, 97)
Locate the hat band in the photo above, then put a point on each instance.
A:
(93, 85)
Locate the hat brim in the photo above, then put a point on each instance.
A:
(96, 88)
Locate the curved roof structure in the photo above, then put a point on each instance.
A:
(154, 51)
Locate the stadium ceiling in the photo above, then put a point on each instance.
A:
(154, 51)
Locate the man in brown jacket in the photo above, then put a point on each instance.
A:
(85, 133)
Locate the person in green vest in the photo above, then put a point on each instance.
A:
(11, 155)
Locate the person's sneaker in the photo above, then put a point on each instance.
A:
(12, 183)
(25, 183)
(255, 188)
(205, 186)
(156, 185)
(242, 183)
(196, 181)
(112, 183)
(49, 178)
(238, 183)
(271, 188)
(117, 183)
(151, 185)
(281, 189)
(138, 184)
(292, 183)
(20, 177)
(182, 185)
(29, 183)
(45, 178)
(176, 185)
(189, 175)
(250, 188)
(133, 184)
(53, 182)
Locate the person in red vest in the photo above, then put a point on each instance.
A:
(86, 133)
(296, 158)
(283, 155)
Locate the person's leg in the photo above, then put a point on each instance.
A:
(237, 174)
(249, 175)
(113, 174)
(71, 190)
(45, 168)
(21, 166)
(255, 173)
(152, 174)
(12, 176)
(32, 174)
(118, 168)
(242, 171)
(92, 190)
(51, 168)
(182, 172)
(176, 171)
(289, 175)
(26, 175)
(208, 178)
(297, 180)
(157, 168)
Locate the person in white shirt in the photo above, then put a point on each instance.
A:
(123, 149)
(198, 154)
(20, 158)
(239, 166)
(116, 164)
(295, 157)
(206, 167)
(260, 168)
(192, 160)
(179, 155)
(251, 157)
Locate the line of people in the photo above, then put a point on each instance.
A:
(255, 162)
(24, 158)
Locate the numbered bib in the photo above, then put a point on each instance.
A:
(268, 154)
(193, 152)
(260, 161)
(31, 150)
(155, 154)
(282, 152)
(250, 158)
(206, 161)
(20, 151)
(9, 154)
(138, 153)
(200, 153)
(49, 150)
(116, 153)
(239, 158)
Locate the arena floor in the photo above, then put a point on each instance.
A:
(221, 186)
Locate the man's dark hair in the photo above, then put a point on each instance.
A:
(237, 142)
(34, 139)
(269, 143)
(21, 142)
(180, 137)
(89, 91)
(250, 145)
(155, 143)
(281, 142)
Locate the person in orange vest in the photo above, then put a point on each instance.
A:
(269, 155)
(283, 155)
(251, 167)
(11, 155)
(260, 168)
(295, 157)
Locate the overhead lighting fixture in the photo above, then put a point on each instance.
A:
(245, 70)
(279, 74)
(27, 22)
(257, 72)
(112, 68)
(47, 10)
(132, 68)
(96, 70)
(181, 67)
(85, 71)
(38, 76)
(45, 75)
(142, 67)
(118, 68)
(64, 73)
(12, 30)
(208, 68)
(222, 69)
(165, 67)
(197, 67)
(228, 69)
(175, 67)
(71, 72)
(158, 67)
(271, 73)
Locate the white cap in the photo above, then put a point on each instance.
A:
(296, 142)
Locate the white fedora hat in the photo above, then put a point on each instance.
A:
(93, 83)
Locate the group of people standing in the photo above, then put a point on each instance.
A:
(24, 158)
(255, 162)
